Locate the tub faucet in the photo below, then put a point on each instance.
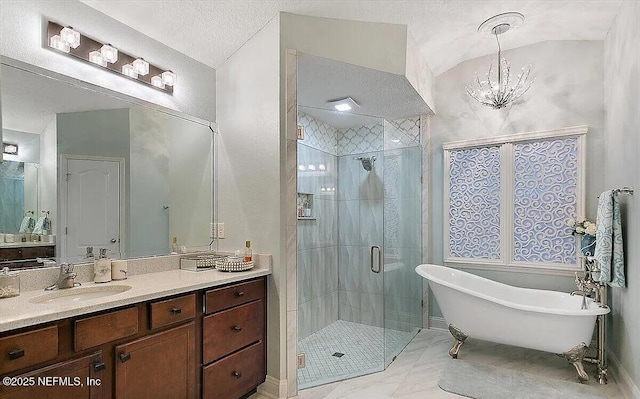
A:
(584, 298)
(65, 279)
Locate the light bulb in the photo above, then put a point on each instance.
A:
(169, 78)
(70, 37)
(96, 58)
(157, 81)
(130, 71)
(141, 66)
(57, 43)
(109, 53)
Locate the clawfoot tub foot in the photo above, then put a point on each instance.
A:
(575, 356)
(460, 337)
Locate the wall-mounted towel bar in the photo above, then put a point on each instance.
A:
(624, 190)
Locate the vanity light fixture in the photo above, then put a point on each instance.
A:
(109, 53)
(67, 40)
(57, 43)
(9, 149)
(96, 58)
(130, 71)
(157, 81)
(70, 37)
(343, 104)
(142, 67)
(169, 78)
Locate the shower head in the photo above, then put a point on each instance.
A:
(367, 163)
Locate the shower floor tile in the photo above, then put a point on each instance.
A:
(363, 347)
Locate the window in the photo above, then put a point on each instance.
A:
(508, 199)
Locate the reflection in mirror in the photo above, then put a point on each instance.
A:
(98, 171)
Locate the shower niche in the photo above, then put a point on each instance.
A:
(305, 206)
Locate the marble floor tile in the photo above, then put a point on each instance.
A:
(416, 371)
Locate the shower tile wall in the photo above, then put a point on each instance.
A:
(11, 196)
(317, 239)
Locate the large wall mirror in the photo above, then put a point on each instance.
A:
(82, 168)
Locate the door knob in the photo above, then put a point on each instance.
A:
(113, 240)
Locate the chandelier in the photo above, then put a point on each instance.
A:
(500, 89)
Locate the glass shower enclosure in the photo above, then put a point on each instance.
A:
(359, 240)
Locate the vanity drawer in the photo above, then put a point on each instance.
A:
(27, 349)
(235, 375)
(237, 294)
(171, 311)
(98, 330)
(230, 330)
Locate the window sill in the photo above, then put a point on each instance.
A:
(567, 271)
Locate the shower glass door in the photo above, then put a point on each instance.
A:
(402, 234)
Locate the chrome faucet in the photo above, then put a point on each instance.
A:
(587, 285)
(65, 279)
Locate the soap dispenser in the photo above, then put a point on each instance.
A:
(102, 268)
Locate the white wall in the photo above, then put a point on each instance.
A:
(23, 28)
(380, 46)
(248, 177)
(568, 91)
(28, 146)
(622, 168)
(48, 199)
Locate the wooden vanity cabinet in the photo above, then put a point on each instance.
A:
(158, 366)
(170, 347)
(73, 379)
(233, 340)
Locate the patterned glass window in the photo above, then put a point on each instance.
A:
(508, 199)
(544, 197)
(474, 203)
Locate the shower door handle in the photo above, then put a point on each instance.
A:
(379, 259)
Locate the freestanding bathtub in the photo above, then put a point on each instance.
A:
(477, 307)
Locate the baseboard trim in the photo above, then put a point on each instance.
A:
(438, 323)
(626, 384)
(273, 388)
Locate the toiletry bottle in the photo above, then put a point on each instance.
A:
(248, 256)
(102, 268)
(174, 246)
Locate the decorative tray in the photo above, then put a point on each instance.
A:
(200, 262)
(226, 265)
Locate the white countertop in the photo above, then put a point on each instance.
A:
(26, 244)
(18, 312)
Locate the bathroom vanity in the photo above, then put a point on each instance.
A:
(174, 334)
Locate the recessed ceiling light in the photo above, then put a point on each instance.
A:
(343, 104)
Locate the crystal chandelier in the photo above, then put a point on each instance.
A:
(499, 91)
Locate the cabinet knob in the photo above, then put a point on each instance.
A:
(16, 354)
(237, 328)
(237, 375)
(240, 293)
(99, 366)
(124, 357)
(176, 310)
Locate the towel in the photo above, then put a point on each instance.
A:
(42, 225)
(609, 251)
(27, 225)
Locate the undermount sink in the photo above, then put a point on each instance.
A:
(80, 294)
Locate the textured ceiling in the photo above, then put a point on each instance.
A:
(30, 101)
(379, 94)
(445, 30)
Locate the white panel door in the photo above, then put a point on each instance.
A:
(93, 207)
